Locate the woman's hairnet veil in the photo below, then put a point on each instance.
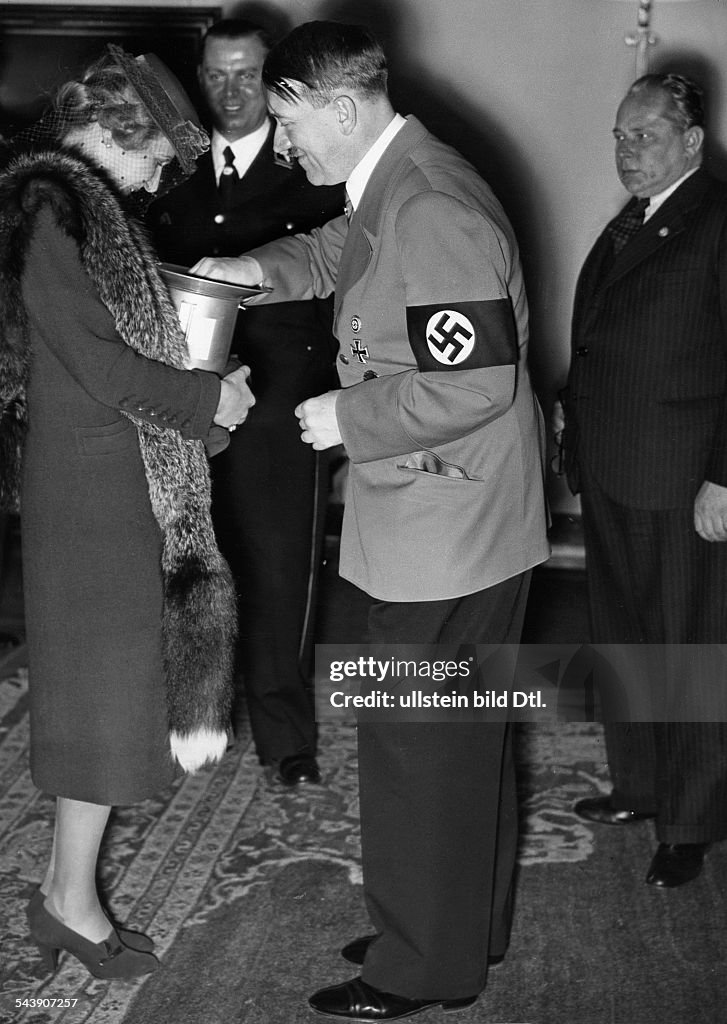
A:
(134, 99)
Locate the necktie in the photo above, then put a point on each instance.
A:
(627, 224)
(229, 179)
(348, 208)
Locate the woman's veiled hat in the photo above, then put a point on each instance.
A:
(167, 102)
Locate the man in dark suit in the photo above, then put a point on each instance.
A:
(646, 445)
(269, 490)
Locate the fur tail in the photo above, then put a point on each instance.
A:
(200, 625)
(196, 749)
(13, 418)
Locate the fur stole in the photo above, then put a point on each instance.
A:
(199, 616)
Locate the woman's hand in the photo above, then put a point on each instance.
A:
(236, 399)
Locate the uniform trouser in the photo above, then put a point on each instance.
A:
(269, 495)
(438, 815)
(652, 580)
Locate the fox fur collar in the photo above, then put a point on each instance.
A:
(199, 616)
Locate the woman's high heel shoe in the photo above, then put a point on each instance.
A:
(134, 940)
(107, 960)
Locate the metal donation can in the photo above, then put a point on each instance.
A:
(207, 311)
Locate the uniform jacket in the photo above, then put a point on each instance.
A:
(445, 492)
(646, 402)
(91, 370)
(288, 346)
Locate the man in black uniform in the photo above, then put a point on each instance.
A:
(269, 488)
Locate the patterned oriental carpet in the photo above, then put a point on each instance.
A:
(249, 891)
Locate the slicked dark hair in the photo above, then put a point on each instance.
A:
(321, 59)
(236, 28)
(685, 107)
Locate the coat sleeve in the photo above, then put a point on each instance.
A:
(454, 265)
(66, 309)
(304, 266)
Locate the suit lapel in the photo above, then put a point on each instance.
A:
(365, 224)
(668, 223)
(204, 176)
(257, 176)
(591, 280)
(355, 257)
(599, 273)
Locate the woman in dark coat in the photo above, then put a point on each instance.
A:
(129, 606)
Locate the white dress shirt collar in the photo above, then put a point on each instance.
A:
(661, 197)
(245, 149)
(363, 170)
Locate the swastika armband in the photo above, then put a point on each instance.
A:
(462, 335)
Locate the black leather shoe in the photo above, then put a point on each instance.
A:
(355, 952)
(298, 768)
(601, 810)
(357, 1000)
(676, 864)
